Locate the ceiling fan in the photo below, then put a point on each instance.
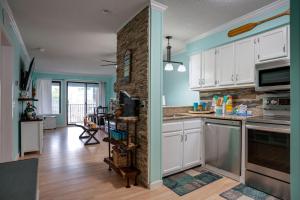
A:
(108, 63)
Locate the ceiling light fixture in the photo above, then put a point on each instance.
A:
(169, 66)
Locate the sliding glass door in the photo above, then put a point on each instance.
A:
(82, 99)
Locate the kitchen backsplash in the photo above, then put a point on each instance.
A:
(246, 96)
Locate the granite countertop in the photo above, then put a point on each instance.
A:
(179, 116)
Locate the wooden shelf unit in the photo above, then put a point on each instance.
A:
(130, 171)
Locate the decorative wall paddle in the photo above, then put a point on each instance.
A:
(250, 26)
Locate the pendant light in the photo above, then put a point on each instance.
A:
(169, 62)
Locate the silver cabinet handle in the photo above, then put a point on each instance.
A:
(181, 138)
(185, 137)
(284, 49)
(237, 77)
(232, 77)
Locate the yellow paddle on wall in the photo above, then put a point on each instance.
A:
(250, 26)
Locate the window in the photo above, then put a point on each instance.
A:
(56, 92)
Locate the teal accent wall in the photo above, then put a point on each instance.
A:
(176, 84)
(155, 100)
(61, 118)
(295, 99)
(19, 54)
(176, 87)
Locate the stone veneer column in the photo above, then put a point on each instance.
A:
(135, 36)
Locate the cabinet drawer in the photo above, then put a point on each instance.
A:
(192, 124)
(172, 126)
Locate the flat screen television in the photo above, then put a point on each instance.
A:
(26, 76)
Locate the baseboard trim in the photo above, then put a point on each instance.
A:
(155, 184)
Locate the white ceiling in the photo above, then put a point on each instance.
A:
(76, 34)
(186, 19)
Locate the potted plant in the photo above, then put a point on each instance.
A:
(30, 111)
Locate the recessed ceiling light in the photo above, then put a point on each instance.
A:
(106, 12)
(42, 49)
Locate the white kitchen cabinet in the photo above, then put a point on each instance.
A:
(272, 45)
(209, 68)
(172, 151)
(31, 136)
(181, 145)
(191, 150)
(225, 66)
(195, 71)
(244, 61)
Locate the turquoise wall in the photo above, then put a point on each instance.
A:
(295, 99)
(61, 118)
(176, 87)
(176, 84)
(155, 100)
(19, 53)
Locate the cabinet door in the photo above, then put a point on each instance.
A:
(195, 71)
(209, 68)
(172, 151)
(244, 61)
(225, 65)
(272, 45)
(30, 136)
(191, 147)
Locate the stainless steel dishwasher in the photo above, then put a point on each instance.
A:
(223, 145)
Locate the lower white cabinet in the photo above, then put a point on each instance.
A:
(31, 136)
(191, 149)
(181, 145)
(172, 151)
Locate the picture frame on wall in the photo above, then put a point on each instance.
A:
(127, 62)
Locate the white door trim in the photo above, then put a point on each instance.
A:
(6, 102)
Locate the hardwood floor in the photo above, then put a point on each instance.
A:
(68, 170)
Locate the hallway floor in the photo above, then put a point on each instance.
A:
(69, 170)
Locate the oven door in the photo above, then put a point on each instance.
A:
(273, 76)
(268, 150)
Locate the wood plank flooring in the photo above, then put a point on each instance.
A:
(68, 170)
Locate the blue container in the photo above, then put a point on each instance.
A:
(118, 135)
(195, 106)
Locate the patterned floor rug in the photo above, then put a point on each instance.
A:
(190, 180)
(243, 192)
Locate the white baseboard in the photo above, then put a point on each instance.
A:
(155, 184)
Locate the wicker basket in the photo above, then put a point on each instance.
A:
(120, 158)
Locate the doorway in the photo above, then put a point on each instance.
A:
(82, 98)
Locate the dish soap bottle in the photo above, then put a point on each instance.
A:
(229, 105)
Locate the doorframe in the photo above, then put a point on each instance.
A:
(6, 98)
(67, 97)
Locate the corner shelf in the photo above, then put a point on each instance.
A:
(27, 99)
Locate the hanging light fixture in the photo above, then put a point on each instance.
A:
(169, 62)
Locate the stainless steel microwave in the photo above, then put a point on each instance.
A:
(272, 76)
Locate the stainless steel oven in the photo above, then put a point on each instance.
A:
(273, 75)
(268, 156)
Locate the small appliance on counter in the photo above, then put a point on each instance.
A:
(268, 147)
(130, 105)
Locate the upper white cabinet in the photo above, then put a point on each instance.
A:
(209, 68)
(195, 71)
(244, 61)
(233, 65)
(225, 66)
(272, 45)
